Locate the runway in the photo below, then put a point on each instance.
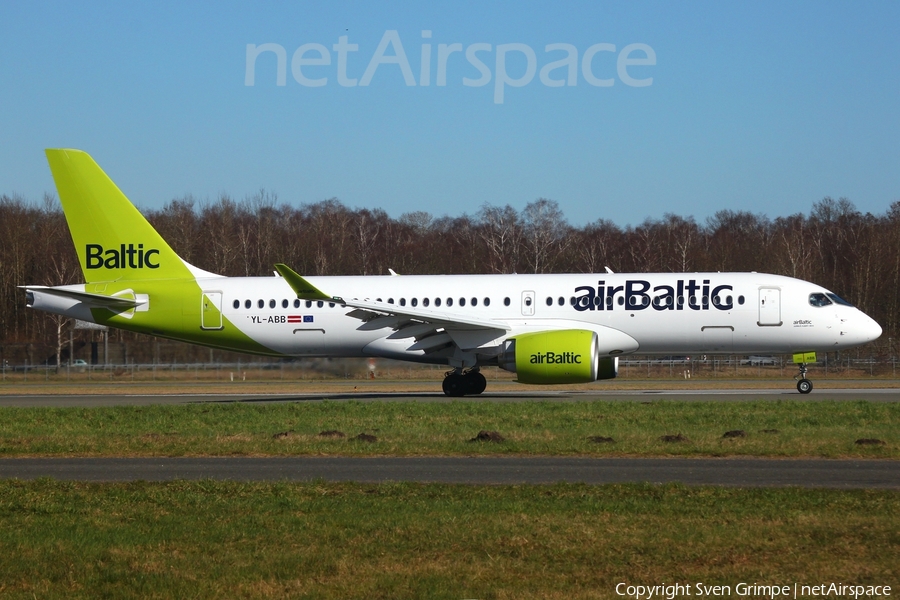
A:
(842, 474)
(711, 395)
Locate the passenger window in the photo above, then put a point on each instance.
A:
(549, 301)
(284, 304)
(449, 301)
(320, 304)
(271, 304)
(487, 301)
(621, 300)
(474, 301)
(561, 301)
(415, 302)
(309, 304)
(437, 301)
(425, 302)
(402, 301)
(237, 304)
(390, 300)
(609, 302)
(462, 301)
(819, 300)
(247, 304)
(261, 303)
(506, 301)
(331, 305)
(740, 300)
(296, 303)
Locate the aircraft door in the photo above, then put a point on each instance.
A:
(528, 303)
(769, 307)
(211, 310)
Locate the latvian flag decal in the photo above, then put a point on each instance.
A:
(300, 319)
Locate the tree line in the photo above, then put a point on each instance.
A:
(853, 254)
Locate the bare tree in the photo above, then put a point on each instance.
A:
(545, 230)
(501, 232)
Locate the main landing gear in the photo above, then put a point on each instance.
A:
(464, 383)
(804, 385)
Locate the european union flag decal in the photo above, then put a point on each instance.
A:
(307, 318)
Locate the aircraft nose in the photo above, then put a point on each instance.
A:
(867, 330)
(873, 329)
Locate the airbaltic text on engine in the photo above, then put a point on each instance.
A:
(638, 295)
(556, 358)
(96, 257)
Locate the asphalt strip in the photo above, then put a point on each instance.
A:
(810, 473)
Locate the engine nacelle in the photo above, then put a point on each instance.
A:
(564, 356)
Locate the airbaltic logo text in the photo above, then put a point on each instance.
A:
(125, 257)
(552, 358)
(600, 64)
(639, 294)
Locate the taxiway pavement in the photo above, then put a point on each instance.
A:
(712, 395)
(843, 474)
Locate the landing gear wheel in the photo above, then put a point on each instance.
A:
(454, 385)
(476, 382)
(469, 383)
(804, 385)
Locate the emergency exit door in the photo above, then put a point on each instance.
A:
(528, 303)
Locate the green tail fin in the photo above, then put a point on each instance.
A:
(112, 238)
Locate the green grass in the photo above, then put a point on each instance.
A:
(804, 428)
(272, 540)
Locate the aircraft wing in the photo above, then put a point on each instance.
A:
(432, 329)
(369, 310)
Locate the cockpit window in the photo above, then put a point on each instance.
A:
(818, 299)
(838, 300)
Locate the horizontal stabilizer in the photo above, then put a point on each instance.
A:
(97, 300)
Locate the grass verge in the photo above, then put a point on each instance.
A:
(771, 428)
(254, 540)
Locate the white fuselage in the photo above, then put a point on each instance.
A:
(663, 313)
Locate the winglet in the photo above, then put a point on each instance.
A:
(304, 289)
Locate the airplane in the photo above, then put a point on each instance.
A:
(547, 329)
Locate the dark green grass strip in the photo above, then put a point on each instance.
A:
(772, 428)
(239, 540)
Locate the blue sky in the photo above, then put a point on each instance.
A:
(765, 106)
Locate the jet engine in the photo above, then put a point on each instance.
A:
(564, 356)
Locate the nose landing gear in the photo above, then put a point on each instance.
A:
(464, 383)
(804, 385)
